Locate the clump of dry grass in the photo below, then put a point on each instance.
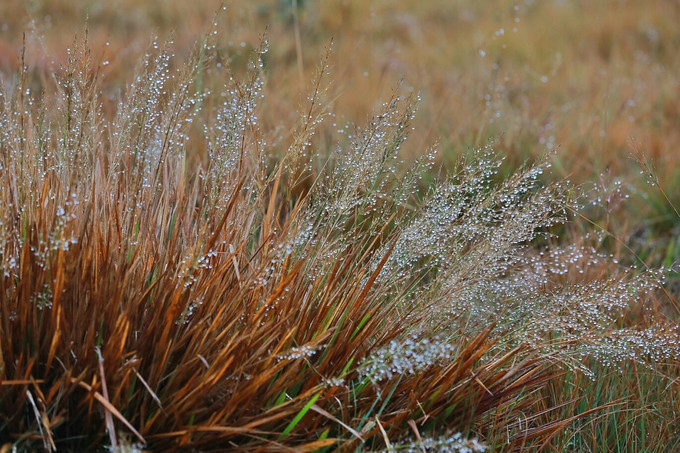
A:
(173, 277)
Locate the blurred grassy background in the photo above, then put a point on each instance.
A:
(593, 79)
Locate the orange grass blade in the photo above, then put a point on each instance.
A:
(109, 407)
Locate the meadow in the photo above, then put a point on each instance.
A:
(342, 225)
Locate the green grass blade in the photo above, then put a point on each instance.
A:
(293, 423)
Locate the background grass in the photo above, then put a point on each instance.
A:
(585, 77)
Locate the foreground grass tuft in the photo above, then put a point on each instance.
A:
(174, 275)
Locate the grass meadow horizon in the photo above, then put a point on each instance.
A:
(289, 226)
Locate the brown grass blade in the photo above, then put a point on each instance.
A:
(109, 407)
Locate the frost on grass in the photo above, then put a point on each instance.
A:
(405, 357)
(465, 257)
(454, 443)
(654, 344)
(469, 228)
(232, 145)
(361, 172)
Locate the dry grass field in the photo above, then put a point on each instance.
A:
(342, 225)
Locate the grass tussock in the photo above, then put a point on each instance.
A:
(177, 276)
